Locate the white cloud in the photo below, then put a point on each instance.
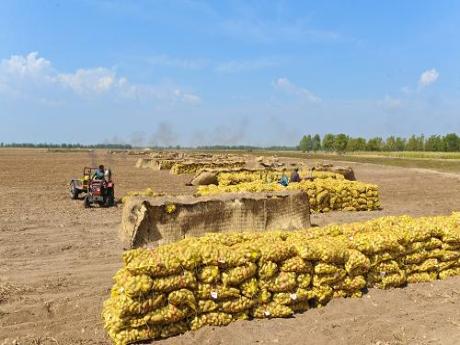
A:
(287, 86)
(84, 81)
(428, 77)
(29, 65)
(31, 76)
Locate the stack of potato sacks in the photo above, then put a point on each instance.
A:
(324, 194)
(220, 278)
(268, 176)
(192, 167)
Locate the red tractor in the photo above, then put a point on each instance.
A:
(97, 190)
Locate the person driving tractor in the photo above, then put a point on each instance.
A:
(99, 173)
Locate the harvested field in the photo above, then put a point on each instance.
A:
(57, 260)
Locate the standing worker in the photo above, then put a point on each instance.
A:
(295, 175)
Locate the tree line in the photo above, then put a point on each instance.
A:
(344, 143)
(67, 146)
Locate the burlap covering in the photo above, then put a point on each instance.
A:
(155, 221)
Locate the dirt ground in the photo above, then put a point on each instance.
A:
(57, 260)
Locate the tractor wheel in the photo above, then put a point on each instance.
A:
(87, 202)
(110, 199)
(73, 191)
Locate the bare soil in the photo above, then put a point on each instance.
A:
(57, 260)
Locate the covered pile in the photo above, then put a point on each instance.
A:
(324, 194)
(220, 278)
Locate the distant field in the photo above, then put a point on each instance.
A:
(437, 161)
(410, 155)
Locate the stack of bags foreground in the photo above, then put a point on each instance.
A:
(220, 278)
(324, 194)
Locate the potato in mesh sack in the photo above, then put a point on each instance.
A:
(351, 284)
(323, 268)
(236, 305)
(347, 293)
(250, 288)
(327, 279)
(128, 336)
(357, 263)
(450, 272)
(208, 274)
(416, 258)
(297, 265)
(383, 280)
(210, 319)
(304, 280)
(206, 306)
(182, 297)
(386, 267)
(321, 294)
(133, 285)
(216, 292)
(421, 277)
(283, 282)
(174, 329)
(267, 269)
(124, 305)
(235, 276)
(175, 282)
(444, 265)
(425, 266)
(275, 251)
(444, 255)
(152, 263)
(271, 310)
(430, 244)
(300, 295)
(325, 249)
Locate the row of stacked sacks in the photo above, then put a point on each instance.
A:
(224, 277)
(192, 167)
(269, 176)
(324, 194)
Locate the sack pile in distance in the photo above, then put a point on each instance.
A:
(324, 195)
(268, 176)
(223, 277)
(192, 167)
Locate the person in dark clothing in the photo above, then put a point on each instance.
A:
(295, 175)
(99, 173)
(284, 181)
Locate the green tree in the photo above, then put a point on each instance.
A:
(316, 143)
(374, 144)
(340, 143)
(328, 142)
(400, 144)
(452, 142)
(303, 144)
(411, 144)
(390, 144)
(356, 144)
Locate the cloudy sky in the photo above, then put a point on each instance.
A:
(226, 72)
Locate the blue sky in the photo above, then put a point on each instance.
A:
(226, 72)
